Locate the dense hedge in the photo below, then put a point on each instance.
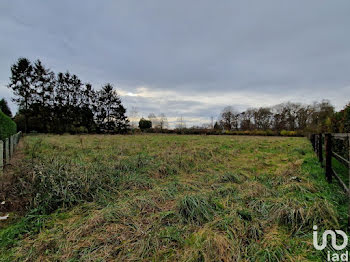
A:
(7, 126)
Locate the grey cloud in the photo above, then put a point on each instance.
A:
(298, 50)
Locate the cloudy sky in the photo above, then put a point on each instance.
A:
(187, 57)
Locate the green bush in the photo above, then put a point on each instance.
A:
(7, 126)
(289, 133)
(145, 124)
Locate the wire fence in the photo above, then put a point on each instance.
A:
(7, 149)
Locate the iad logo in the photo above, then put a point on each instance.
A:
(333, 235)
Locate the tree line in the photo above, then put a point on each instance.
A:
(289, 116)
(340, 122)
(59, 103)
(285, 118)
(295, 118)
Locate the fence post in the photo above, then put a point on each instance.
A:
(313, 141)
(7, 151)
(1, 156)
(316, 144)
(328, 147)
(320, 153)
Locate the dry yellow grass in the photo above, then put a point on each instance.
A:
(173, 198)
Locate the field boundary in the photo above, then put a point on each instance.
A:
(334, 145)
(7, 149)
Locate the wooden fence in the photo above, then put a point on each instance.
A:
(7, 149)
(337, 146)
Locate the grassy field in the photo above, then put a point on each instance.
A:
(168, 198)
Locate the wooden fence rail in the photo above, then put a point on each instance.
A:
(325, 141)
(7, 149)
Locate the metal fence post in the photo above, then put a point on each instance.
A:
(7, 151)
(320, 153)
(328, 147)
(14, 141)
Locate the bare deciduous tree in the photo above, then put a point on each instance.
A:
(229, 118)
(154, 120)
(163, 121)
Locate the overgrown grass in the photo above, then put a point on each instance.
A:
(170, 198)
(196, 209)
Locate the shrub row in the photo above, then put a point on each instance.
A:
(7, 126)
(198, 131)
